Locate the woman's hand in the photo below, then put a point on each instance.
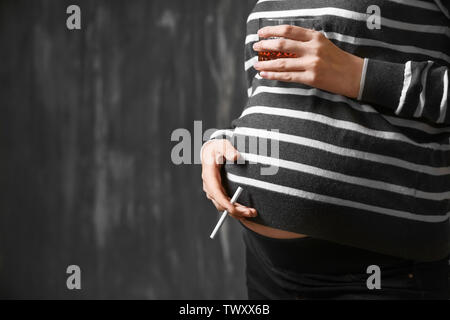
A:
(213, 155)
(318, 63)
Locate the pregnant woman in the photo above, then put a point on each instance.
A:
(359, 204)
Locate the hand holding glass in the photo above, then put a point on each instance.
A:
(309, 23)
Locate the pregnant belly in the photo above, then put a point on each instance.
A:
(284, 195)
(342, 174)
(280, 215)
(271, 232)
(321, 178)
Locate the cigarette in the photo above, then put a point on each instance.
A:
(225, 213)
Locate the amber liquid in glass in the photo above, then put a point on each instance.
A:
(309, 23)
(273, 55)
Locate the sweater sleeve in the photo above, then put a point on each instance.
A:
(411, 90)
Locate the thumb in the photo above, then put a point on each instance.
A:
(231, 154)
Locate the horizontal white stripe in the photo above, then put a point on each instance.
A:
(250, 63)
(381, 44)
(413, 124)
(251, 38)
(348, 14)
(341, 124)
(314, 92)
(412, 3)
(368, 183)
(260, 1)
(443, 108)
(373, 43)
(418, 4)
(406, 84)
(346, 152)
(336, 201)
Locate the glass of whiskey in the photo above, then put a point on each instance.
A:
(308, 23)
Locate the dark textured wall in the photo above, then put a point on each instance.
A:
(85, 124)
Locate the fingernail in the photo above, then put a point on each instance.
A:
(263, 74)
(256, 46)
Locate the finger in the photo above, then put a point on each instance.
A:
(231, 154)
(213, 185)
(252, 210)
(280, 45)
(288, 32)
(227, 151)
(281, 65)
(208, 155)
(237, 210)
(238, 214)
(219, 153)
(241, 211)
(297, 77)
(245, 212)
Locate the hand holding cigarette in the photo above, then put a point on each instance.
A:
(225, 213)
(214, 154)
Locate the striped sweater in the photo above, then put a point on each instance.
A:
(373, 172)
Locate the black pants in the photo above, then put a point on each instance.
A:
(316, 269)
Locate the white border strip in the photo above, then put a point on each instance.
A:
(443, 107)
(406, 84)
(362, 84)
